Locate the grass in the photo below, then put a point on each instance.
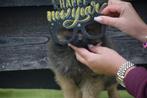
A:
(43, 93)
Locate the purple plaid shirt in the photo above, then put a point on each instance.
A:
(136, 82)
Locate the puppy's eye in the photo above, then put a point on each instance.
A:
(65, 34)
(93, 28)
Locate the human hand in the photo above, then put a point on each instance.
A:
(123, 16)
(101, 60)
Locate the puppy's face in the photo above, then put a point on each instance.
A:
(72, 22)
(89, 34)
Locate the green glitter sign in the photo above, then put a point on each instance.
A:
(73, 12)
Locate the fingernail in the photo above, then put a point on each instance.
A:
(99, 44)
(99, 19)
(90, 46)
(69, 45)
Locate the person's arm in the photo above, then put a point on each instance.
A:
(98, 60)
(136, 82)
(106, 61)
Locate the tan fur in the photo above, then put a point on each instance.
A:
(113, 92)
(69, 88)
(90, 88)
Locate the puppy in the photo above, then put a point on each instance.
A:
(75, 79)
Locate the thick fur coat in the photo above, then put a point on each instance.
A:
(75, 79)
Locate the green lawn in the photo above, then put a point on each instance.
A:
(43, 93)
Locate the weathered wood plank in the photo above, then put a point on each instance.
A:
(29, 22)
(12, 3)
(23, 53)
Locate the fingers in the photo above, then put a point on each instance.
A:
(80, 55)
(113, 1)
(111, 9)
(107, 20)
(95, 49)
(84, 53)
(73, 47)
(81, 59)
(103, 6)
